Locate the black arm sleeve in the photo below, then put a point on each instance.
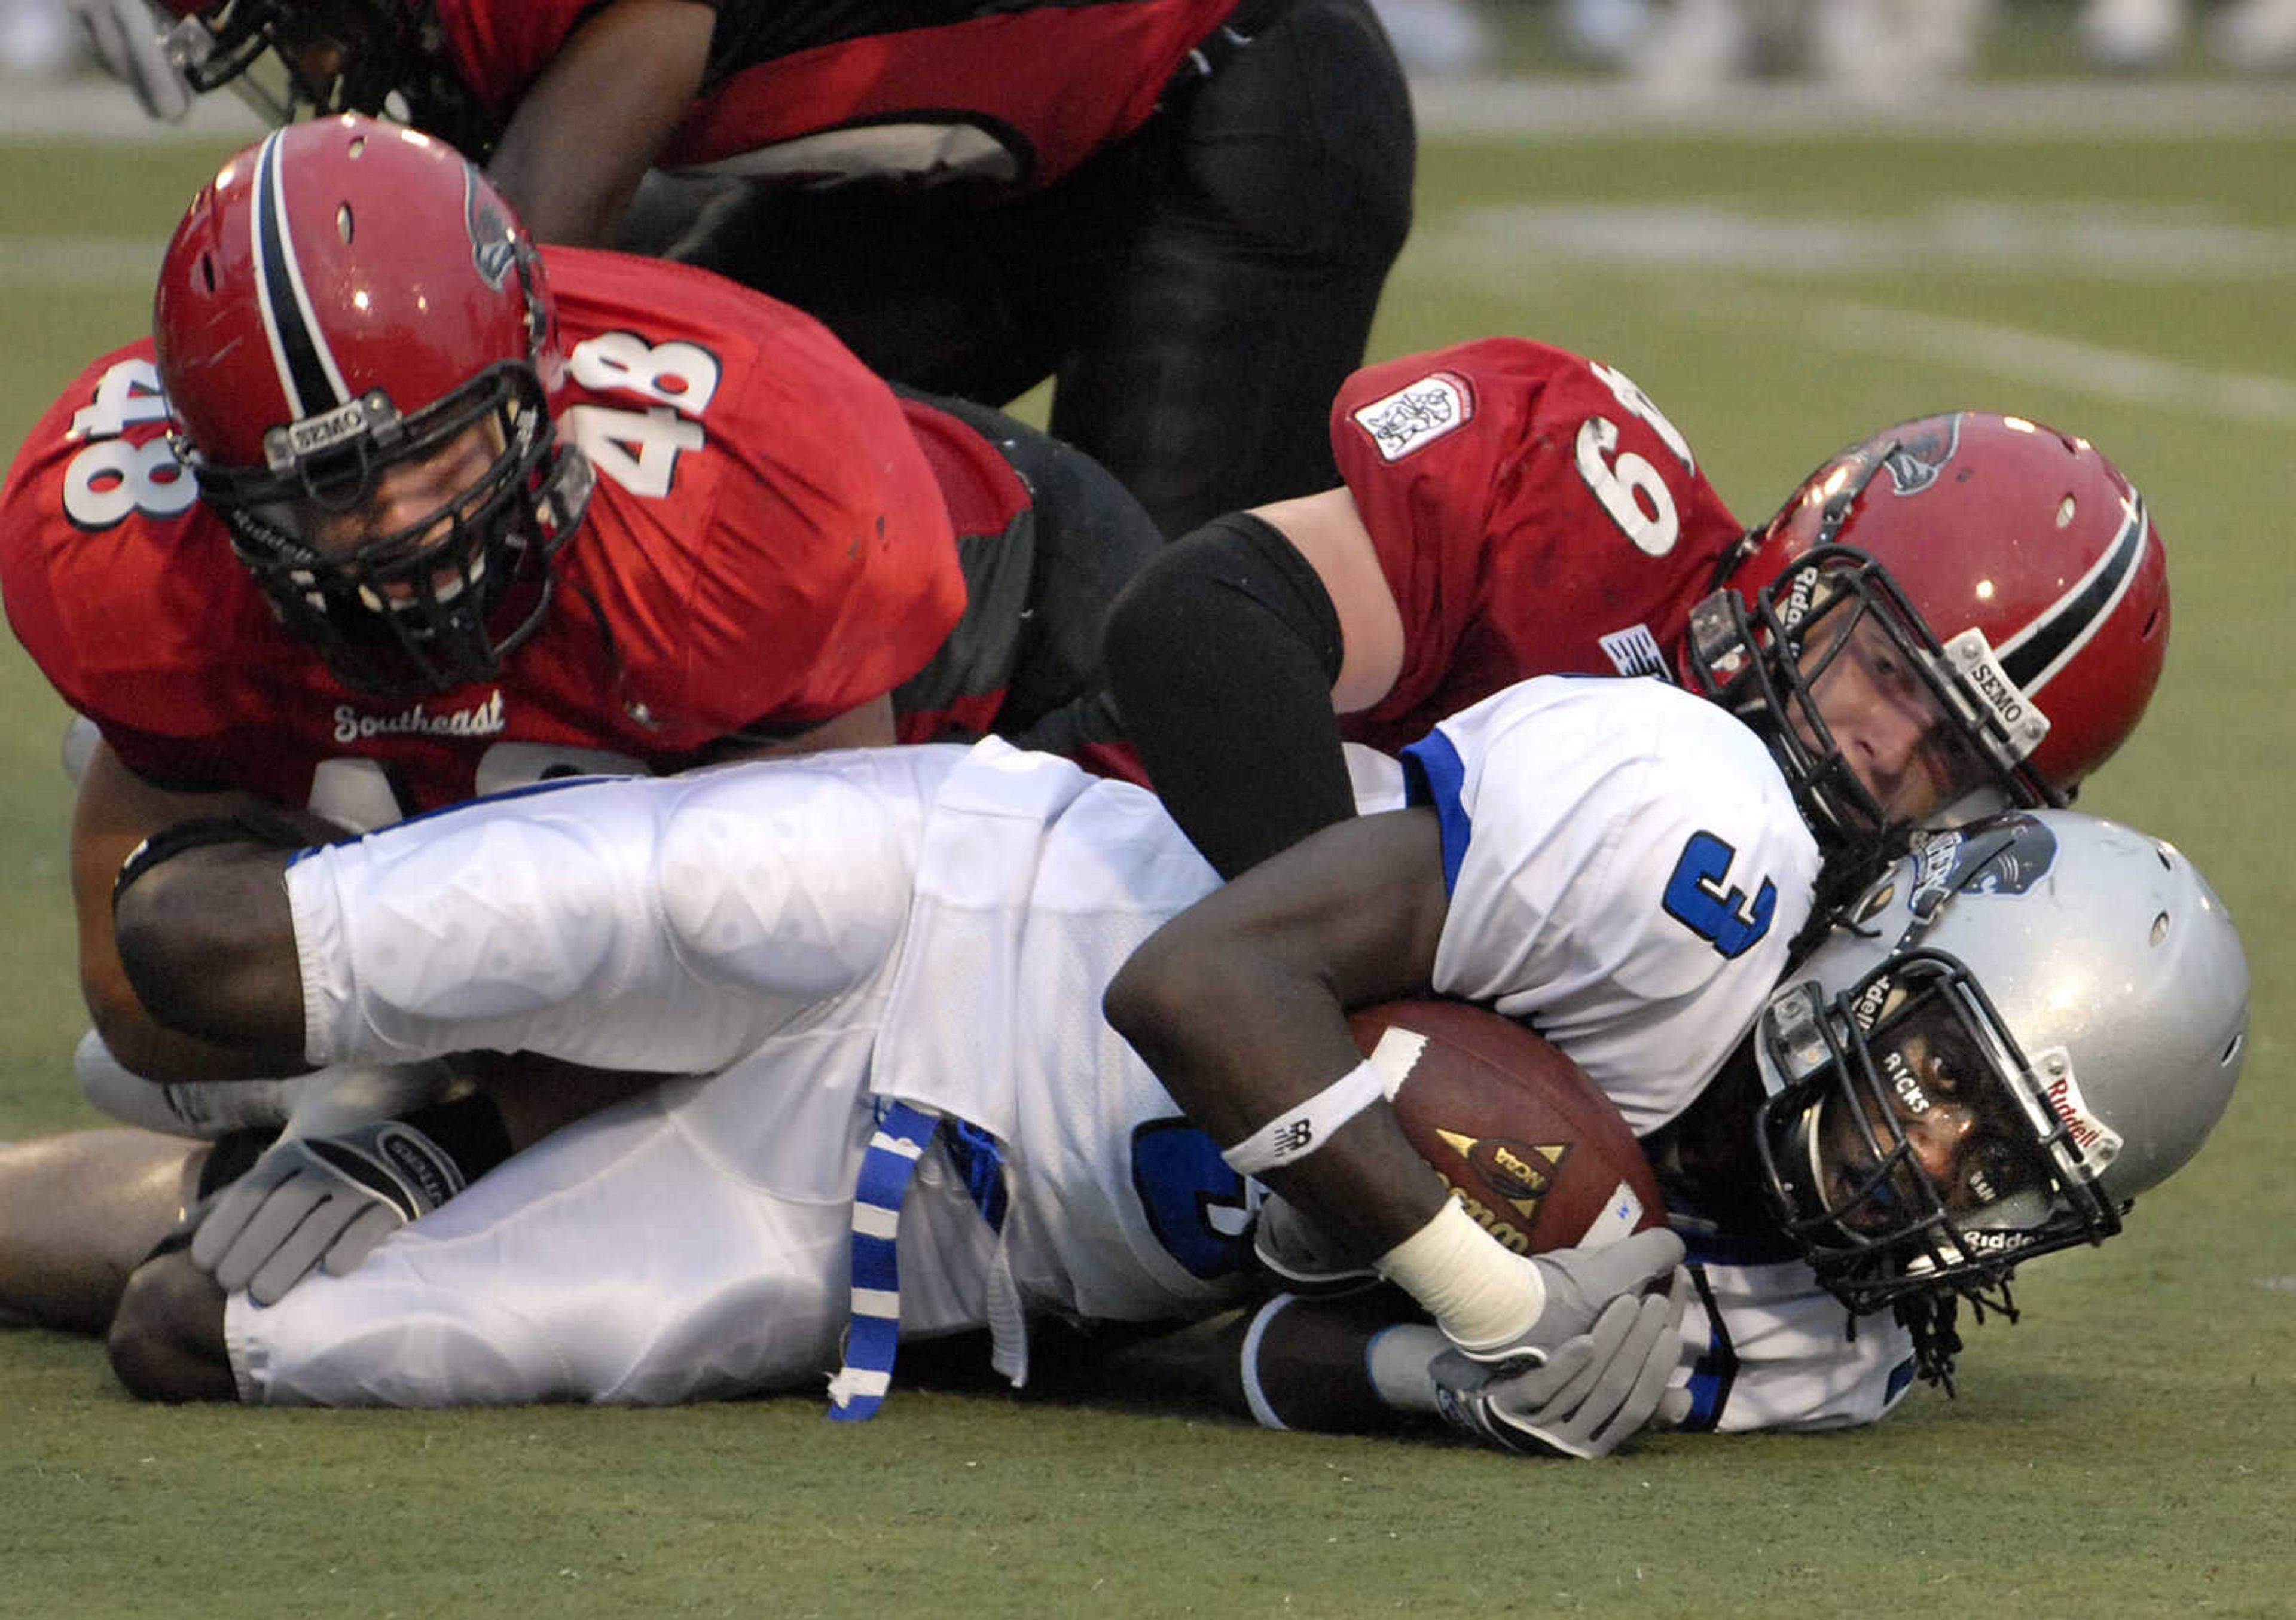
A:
(1221, 654)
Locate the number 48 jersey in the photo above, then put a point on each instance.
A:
(1534, 513)
(770, 543)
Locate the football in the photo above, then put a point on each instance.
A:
(1537, 1154)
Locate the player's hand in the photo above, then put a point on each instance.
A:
(345, 1173)
(1295, 1249)
(1580, 1284)
(125, 36)
(1587, 1395)
(320, 1200)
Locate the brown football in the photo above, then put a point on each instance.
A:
(1539, 1156)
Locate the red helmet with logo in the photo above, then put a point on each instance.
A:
(345, 296)
(2013, 565)
(385, 57)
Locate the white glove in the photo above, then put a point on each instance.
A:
(1583, 1396)
(128, 38)
(343, 1176)
(201, 1108)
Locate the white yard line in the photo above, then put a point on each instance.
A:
(1714, 251)
(2100, 109)
(2019, 356)
(52, 264)
(90, 107)
(1494, 245)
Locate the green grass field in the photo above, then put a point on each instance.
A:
(2127, 1450)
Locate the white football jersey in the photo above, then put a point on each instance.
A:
(936, 925)
(1764, 1346)
(1628, 870)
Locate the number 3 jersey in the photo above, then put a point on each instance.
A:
(1534, 513)
(770, 543)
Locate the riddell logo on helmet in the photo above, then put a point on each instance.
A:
(1800, 597)
(1867, 1010)
(2099, 1143)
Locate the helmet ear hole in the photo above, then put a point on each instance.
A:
(344, 223)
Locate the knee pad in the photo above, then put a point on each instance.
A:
(789, 882)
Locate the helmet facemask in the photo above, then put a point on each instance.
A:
(1914, 1053)
(1823, 526)
(437, 602)
(2025, 1025)
(1871, 1093)
(383, 57)
(1774, 666)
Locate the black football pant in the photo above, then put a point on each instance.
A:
(1198, 293)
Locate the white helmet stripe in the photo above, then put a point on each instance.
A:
(2045, 646)
(308, 375)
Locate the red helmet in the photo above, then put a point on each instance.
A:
(385, 57)
(2012, 564)
(344, 296)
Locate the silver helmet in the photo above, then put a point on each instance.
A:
(2027, 1022)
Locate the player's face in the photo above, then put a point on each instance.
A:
(318, 42)
(1889, 724)
(412, 504)
(1941, 1109)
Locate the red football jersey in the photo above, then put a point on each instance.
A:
(767, 543)
(1021, 95)
(1534, 514)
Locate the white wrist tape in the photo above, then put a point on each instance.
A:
(1483, 1294)
(1298, 1131)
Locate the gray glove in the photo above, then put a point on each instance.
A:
(342, 1177)
(128, 37)
(1586, 1395)
(1580, 1283)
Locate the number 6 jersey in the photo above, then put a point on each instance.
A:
(1534, 513)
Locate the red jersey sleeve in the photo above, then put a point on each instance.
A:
(121, 587)
(1534, 513)
(768, 542)
(500, 47)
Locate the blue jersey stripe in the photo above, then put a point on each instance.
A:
(1434, 775)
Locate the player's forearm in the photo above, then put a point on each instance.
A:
(114, 814)
(585, 132)
(1238, 1005)
(1221, 660)
(164, 1056)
